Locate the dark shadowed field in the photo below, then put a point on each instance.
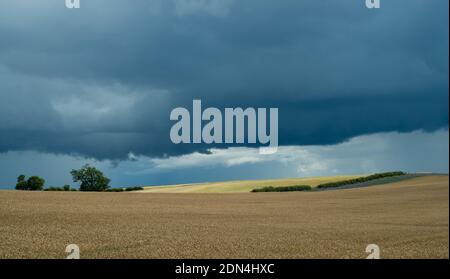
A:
(408, 219)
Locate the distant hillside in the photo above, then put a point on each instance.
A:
(243, 186)
(246, 186)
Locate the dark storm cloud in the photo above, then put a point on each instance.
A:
(101, 81)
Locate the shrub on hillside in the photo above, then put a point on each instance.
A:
(115, 190)
(297, 188)
(65, 188)
(129, 189)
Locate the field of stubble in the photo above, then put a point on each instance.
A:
(408, 219)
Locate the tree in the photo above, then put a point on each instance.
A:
(91, 179)
(34, 183)
(21, 183)
(21, 178)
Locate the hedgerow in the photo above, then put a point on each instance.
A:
(296, 188)
(360, 179)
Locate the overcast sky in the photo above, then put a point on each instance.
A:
(358, 90)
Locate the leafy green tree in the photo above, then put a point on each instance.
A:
(66, 187)
(21, 178)
(91, 179)
(35, 183)
(21, 183)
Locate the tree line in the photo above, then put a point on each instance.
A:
(90, 179)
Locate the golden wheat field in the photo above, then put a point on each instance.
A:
(408, 219)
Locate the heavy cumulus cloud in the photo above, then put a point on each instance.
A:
(101, 81)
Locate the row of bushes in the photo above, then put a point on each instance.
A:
(360, 179)
(296, 188)
(330, 184)
(65, 188)
(130, 189)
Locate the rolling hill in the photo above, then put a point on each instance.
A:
(242, 186)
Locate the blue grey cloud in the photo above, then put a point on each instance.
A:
(101, 81)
